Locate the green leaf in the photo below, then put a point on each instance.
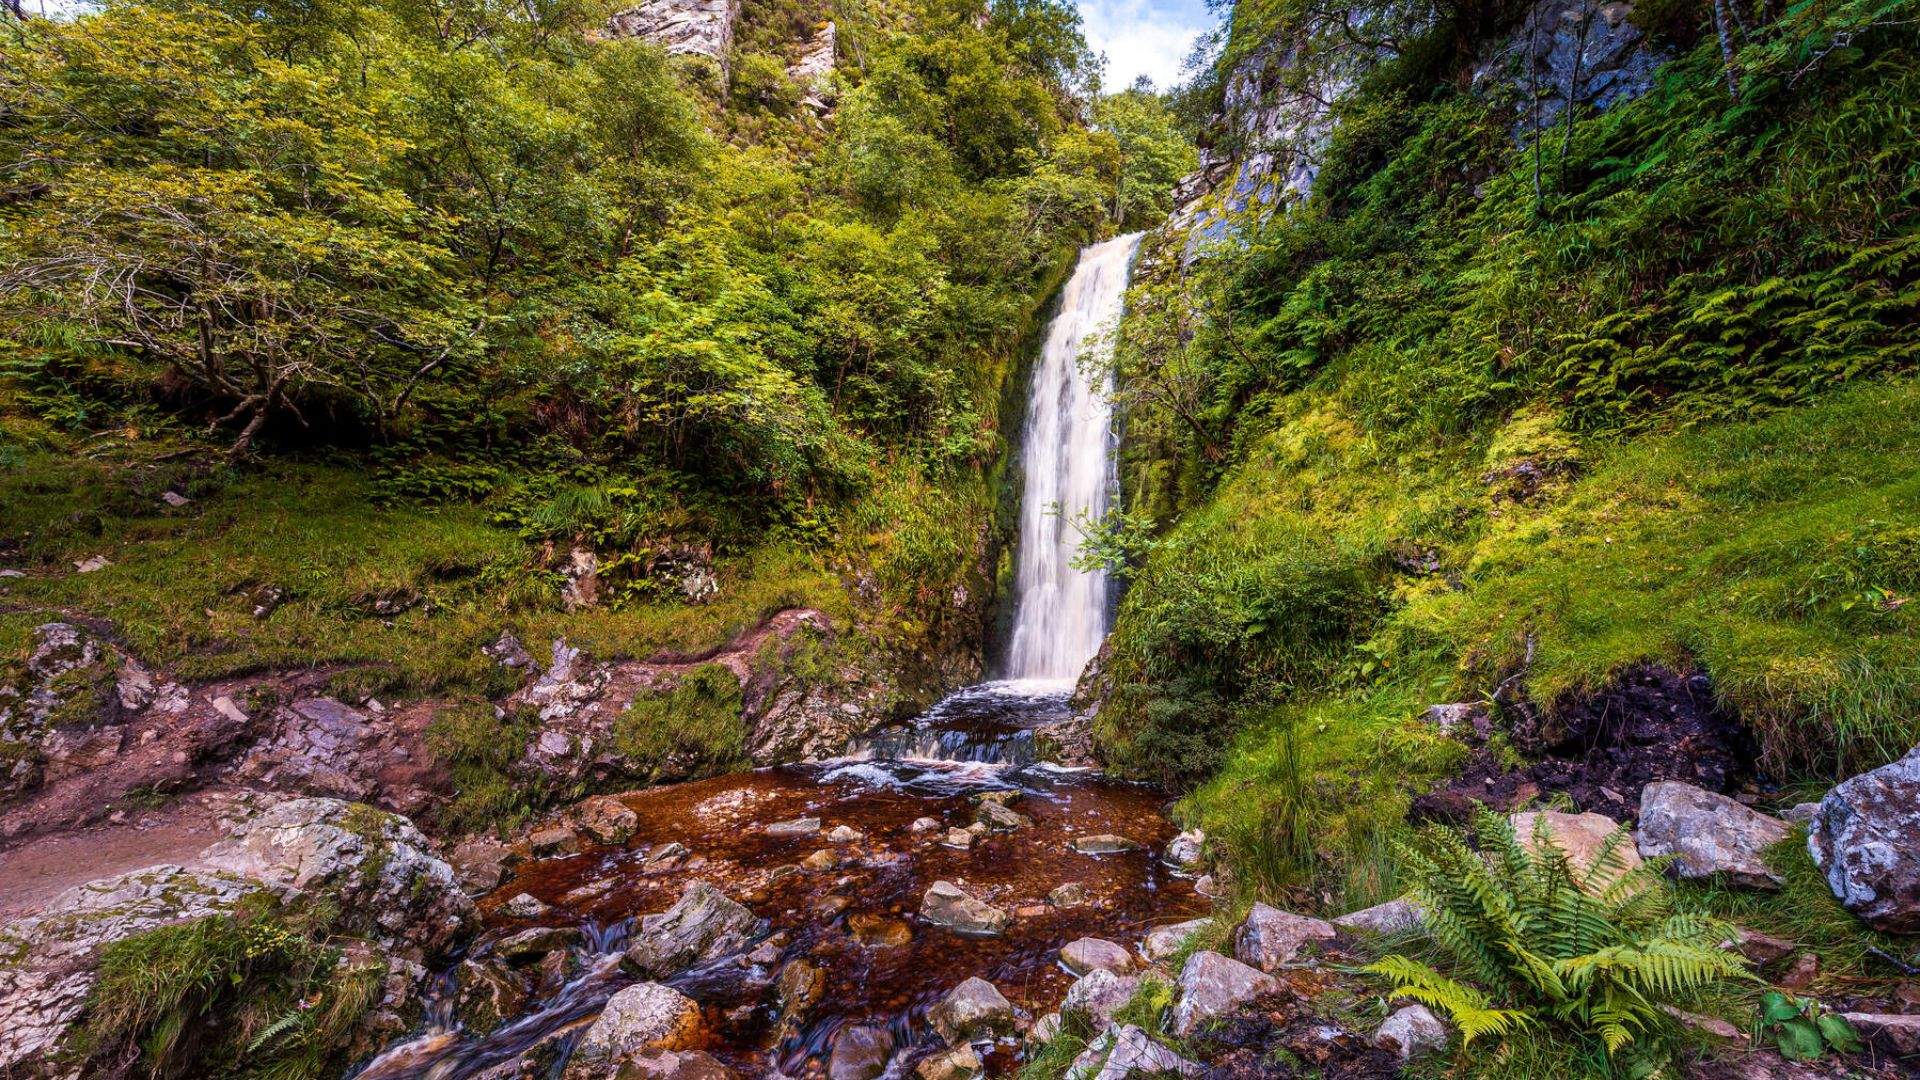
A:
(1775, 1007)
(1840, 1034)
(1799, 1040)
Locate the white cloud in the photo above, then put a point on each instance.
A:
(1149, 37)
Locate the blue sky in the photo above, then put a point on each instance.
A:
(1147, 37)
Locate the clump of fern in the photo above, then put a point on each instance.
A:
(1532, 938)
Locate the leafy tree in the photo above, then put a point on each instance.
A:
(1153, 153)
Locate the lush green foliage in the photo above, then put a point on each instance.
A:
(1531, 938)
(505, 246)
(1426, 434)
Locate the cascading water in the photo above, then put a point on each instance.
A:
(1060, 613)
(882, 967)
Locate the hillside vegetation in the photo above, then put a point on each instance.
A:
(1496, 421)
(411, 301)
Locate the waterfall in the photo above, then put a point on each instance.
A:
(1060, 614)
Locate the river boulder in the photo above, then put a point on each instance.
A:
(703, 925)
(860, 1052)
(643, 1017)
(972, 1011)
(947, 905)
(1866, 839)
(1708, 835)
(1090, 954)
(605, 819)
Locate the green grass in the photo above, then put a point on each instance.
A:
(184, 583)
(1774, 554)
(259, 992)
(691, 730)
(1805, 912)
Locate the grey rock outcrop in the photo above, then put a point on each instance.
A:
(1866, 839)
(44, 986)
(703, 925)
(688, 27)
(390, 883)
(1707, 834)
(375, 867)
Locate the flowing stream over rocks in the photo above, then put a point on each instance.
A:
(835, 858)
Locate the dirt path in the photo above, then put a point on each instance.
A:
(44, 866)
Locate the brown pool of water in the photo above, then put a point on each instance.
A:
(722, 822)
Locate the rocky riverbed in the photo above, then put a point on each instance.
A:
(874, 886)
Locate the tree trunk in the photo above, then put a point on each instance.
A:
(1726, 48)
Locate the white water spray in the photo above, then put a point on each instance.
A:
(1060, 614)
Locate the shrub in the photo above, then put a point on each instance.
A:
(1533, 938)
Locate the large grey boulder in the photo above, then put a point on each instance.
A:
(1866, 839)
(1708, 835)
(644, 1017)
(390, 883)
(50, 957)
(1271, 939)
(702, 926)
(1099, 994)
(946, 904)
(1211, 986)
(1411, 1032)
(1581, 838)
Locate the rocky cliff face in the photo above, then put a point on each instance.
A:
(685, 27)
(1274, 121)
